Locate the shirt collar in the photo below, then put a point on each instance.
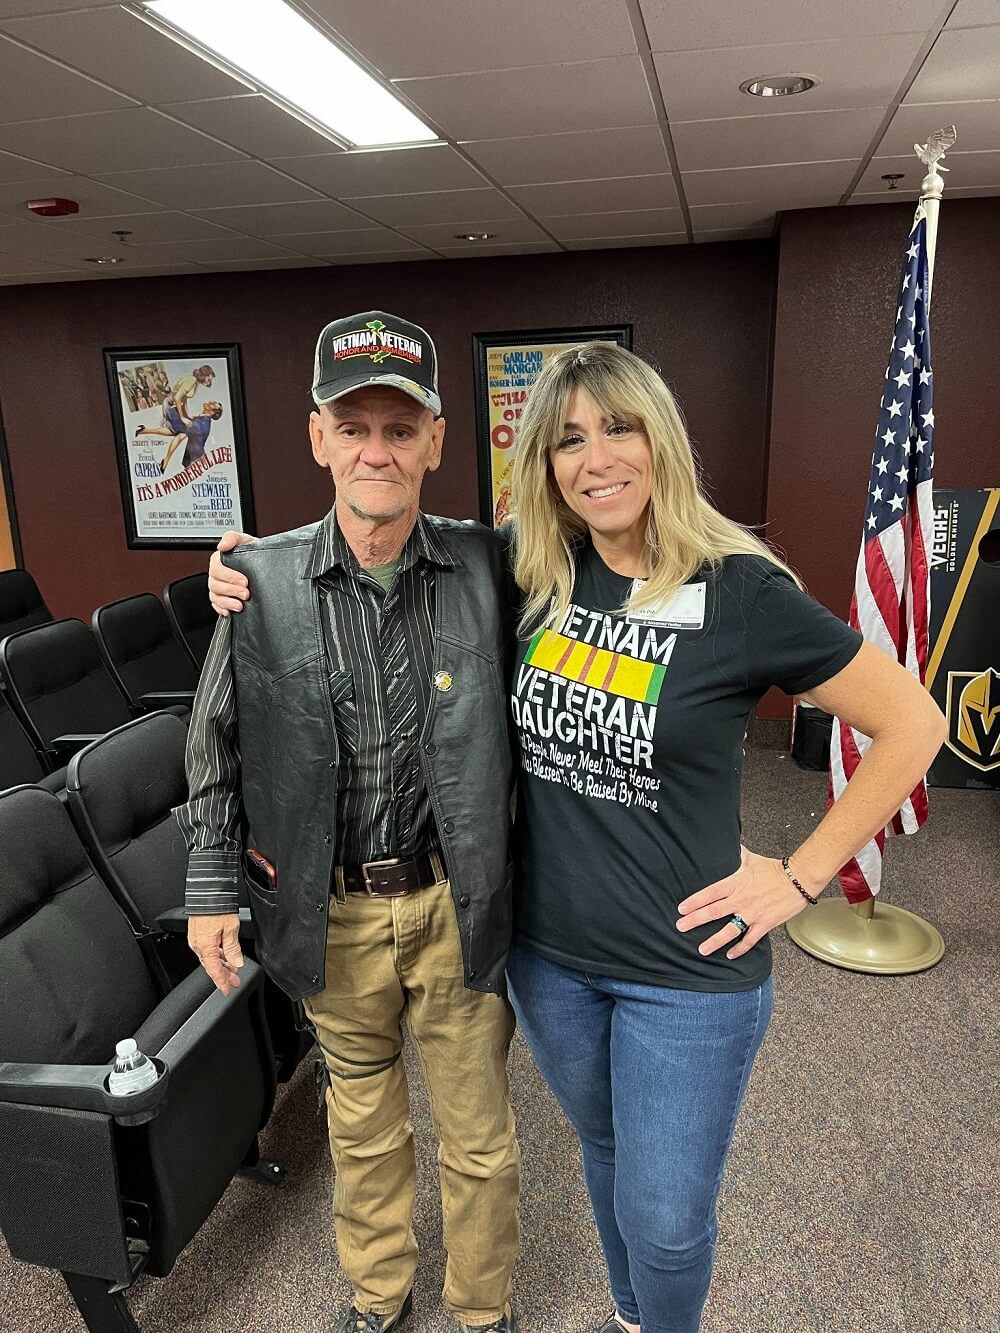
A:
(331, 551)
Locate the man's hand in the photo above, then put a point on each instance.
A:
(216, 941)
(227, 589)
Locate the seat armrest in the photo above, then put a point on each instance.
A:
(157, 699)
(175, 919)
(209, 1012)
(81, 1088)
(63, 748)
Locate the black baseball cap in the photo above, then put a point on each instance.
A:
(375, 348)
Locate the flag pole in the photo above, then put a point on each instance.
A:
(886, 940)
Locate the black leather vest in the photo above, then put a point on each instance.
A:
(288, 747)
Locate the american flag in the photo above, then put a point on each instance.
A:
(891, 602)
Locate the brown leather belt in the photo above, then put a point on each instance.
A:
(390, 878)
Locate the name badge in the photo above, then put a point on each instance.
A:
(685, 610)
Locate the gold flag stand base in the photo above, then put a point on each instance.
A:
(867, 937)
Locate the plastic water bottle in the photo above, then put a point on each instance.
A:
(133, 1070)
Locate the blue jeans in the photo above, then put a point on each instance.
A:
(652, 1080)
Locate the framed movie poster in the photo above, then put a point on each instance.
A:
(506, 366)
(181, 442)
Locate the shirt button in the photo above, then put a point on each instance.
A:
(327, 839)
(464, 900)
(430, 748)
(448, 826)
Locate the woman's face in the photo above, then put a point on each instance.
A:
(604, 469)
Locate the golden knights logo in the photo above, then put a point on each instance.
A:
(974, 717)
(376, 340)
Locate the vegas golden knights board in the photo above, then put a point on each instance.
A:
(963, 671)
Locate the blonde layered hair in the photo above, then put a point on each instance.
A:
(684, 530)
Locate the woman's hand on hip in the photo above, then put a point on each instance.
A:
(759, 892)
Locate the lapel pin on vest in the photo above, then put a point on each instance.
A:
(443, 681)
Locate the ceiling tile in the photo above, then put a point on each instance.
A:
(964, 170)
(766, 140)
(224, 247)
(597, 196)
(453, 206)
(30, 86)
(963, 66)
(253, 124)
(494, 251)
(95, 200)
(590, 95)
(968, 13)
(388, 257)
(653, 221)
(276, 219)
(252, 265)
(802, 185)
(56, 241)
(715, 217)
(13, 265)
(226, 185)
(445, 37)
(113, 141)
(711, 23)
(325, 243)
(626, 242)
(30, 8)
(536, 159)
(734, 234)
(512, 231)
(114, 46)
(391, 171)
(978, 125)
(705, 85)
(49, 275)
(13, 168)
(147, 228)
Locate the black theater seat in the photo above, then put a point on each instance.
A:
(191, 615)
(59, 688)
(121, 792)
(21, 604)
(105, 1188)
(144, 659)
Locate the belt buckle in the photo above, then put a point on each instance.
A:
(369, 865)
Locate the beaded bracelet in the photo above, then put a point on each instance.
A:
(787, 869)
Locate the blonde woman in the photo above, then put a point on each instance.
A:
(650, 626)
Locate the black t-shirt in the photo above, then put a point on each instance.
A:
(630, 735)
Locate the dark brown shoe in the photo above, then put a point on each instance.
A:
(356, 1322)
(505, 1324)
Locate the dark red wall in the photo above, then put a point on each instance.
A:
(703, 313)
(837, 294)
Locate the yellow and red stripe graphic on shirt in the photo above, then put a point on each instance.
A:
(615, 673)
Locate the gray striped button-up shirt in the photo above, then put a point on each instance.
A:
(380, 648)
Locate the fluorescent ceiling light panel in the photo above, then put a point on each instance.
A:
(278, 50)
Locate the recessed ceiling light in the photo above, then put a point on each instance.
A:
(104, 259)
(475, 235)
(292, 63)
(778, 85)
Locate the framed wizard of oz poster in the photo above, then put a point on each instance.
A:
(181, 443)
(506, 366)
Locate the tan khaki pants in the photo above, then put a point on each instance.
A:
(388, 959)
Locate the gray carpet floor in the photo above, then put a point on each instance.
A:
(862, 1188)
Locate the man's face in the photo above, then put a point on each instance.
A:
(377, 443)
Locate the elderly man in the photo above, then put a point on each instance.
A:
(352, 720)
